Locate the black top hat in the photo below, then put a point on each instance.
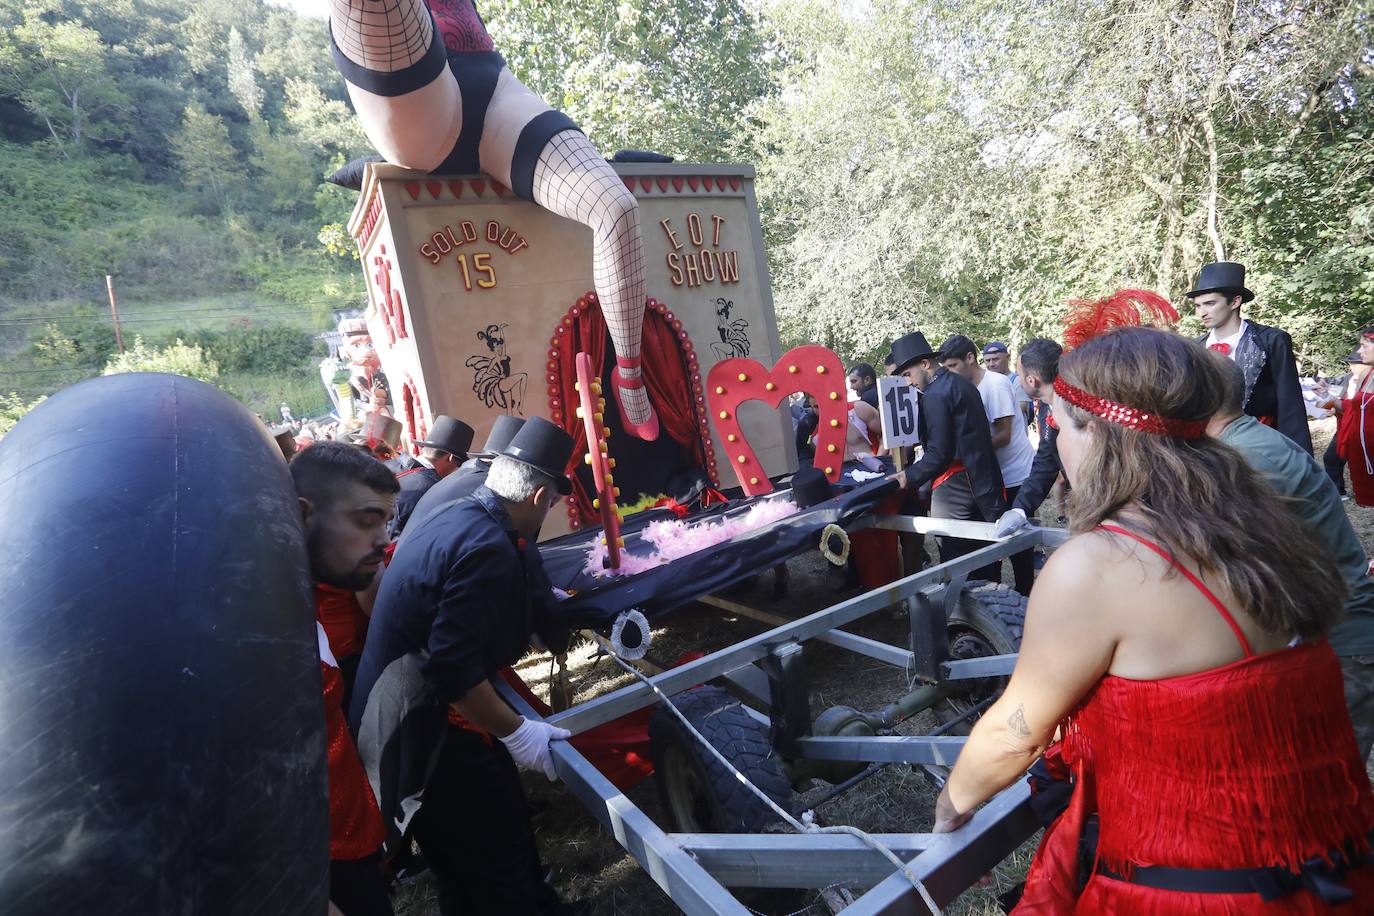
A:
(1222, 277)
(909, 348)
(810, 486)
(502, 431)
(545, 448)
(449, 435)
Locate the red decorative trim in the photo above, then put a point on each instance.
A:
(734, 182)
(662, 182)
(435, 188)
(692, 182)
(629, 182)
(370, 220)
(456, 188)
(677, 183)
(646, 185)
(556, 407)
(413, 189)
(810, 368)
(479, 186)
(499, 188)
(1129, 417)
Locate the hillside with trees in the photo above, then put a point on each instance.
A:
(946, 165)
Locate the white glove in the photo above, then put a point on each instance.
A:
(529, 745)
(1011, 521)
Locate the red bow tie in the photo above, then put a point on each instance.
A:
(1223, 348)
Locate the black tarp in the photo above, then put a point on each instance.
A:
(597, 600)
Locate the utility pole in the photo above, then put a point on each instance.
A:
(114, 311)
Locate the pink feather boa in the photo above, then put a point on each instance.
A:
(674, 538)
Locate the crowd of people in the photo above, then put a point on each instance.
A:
(1196, 674)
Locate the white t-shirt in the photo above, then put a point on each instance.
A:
(999, 400)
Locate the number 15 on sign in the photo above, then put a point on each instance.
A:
(899, 408)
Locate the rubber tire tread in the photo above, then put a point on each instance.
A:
(1000, 605)
(740, 739)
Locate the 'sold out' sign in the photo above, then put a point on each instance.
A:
(707, 263)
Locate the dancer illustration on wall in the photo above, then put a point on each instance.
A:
(492, 380)
(734, 335)
(433, 93)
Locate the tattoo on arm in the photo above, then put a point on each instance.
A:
(1017, 722)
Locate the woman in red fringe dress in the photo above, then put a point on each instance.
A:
(1176, 641)
(1355, 433)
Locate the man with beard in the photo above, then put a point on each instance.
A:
(1273, 394)
(346, 500)
(443, 451)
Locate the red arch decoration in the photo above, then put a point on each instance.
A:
(670, 371)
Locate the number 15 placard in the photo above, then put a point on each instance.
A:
(899, 409)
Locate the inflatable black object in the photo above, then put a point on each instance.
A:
(597, 601)
(161, 722)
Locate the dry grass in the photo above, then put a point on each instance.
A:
(589, 865)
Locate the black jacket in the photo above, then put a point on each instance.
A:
(463, 482)
(414, 482)
(1265, 355)
(1044, 470)
(954, 427)
(456, 605)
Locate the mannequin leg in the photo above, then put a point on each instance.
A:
(397, 75)
(572, 180)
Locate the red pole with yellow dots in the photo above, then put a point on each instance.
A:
(592, 411)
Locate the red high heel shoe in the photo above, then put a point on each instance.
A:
(648, 430)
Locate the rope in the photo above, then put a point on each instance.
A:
(807, 824)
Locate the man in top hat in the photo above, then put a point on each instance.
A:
(440, 455)
(1272, 392)
(958, 460)
(470, 475)
(459, 603)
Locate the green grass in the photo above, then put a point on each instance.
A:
(263, 393)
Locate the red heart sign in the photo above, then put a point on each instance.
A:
(456, 187)
(435, 188)
(646, 184)
(499, 188)
(677, 182)
(734, 182)
(413, 189)
(629, 184)
(662, 183)
(478, 185)
(810, 368)
(692, 182)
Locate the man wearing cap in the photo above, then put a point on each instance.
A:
(1273, 394)
(997, 358)
(440, 747)
(470, 475)
(440, 455)
(958, 457)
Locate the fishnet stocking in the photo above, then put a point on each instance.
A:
(381, 35)
(572, 180)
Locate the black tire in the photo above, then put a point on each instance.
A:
(988, 620)
(699, 794)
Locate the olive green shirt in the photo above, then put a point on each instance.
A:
(1294, 473)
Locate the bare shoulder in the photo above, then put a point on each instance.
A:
(1092, 568)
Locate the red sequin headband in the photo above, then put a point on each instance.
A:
(1129, 417)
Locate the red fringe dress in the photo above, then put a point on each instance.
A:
(1249, 765)
(1355, 440)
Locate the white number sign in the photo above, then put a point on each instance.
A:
(899, 407)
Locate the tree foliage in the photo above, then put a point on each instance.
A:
(177, 358)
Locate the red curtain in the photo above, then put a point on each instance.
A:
(666, 376)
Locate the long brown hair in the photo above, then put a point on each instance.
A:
(1197, 497)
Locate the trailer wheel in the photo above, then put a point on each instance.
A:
(988, 620)
(701, 795)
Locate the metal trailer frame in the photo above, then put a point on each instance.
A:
(695, 870)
